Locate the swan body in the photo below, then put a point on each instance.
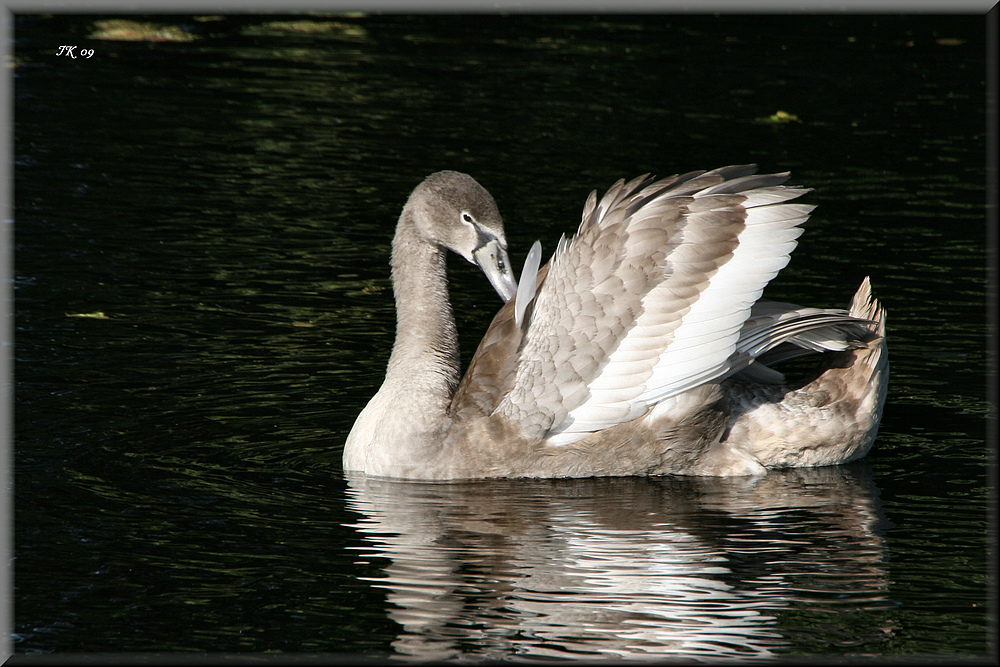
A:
(641, 348)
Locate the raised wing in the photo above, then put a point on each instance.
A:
(648, 299)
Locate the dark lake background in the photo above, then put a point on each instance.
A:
(203, 211)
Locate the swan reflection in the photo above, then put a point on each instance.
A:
(620, 567)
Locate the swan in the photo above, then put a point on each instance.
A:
(641, 348)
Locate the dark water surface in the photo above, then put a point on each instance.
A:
(202, 306)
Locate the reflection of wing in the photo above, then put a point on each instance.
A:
(621, 567)
(648, 299)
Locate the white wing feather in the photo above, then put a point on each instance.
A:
(595, 353)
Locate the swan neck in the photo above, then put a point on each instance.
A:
(426, 347)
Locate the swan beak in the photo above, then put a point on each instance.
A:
(492, 259)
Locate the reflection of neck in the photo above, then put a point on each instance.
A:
(642, 569)
(425, 353)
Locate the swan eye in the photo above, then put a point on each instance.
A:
(467, 218)
(501, 265)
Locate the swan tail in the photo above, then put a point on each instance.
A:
(828, 419)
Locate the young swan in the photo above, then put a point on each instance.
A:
(640, 348)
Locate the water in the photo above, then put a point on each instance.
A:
(670, 568)
(202, 307)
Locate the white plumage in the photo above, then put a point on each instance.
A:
(642, 347)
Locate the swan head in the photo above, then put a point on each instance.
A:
(452, 210)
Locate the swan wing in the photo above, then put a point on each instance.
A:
(648, 299)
